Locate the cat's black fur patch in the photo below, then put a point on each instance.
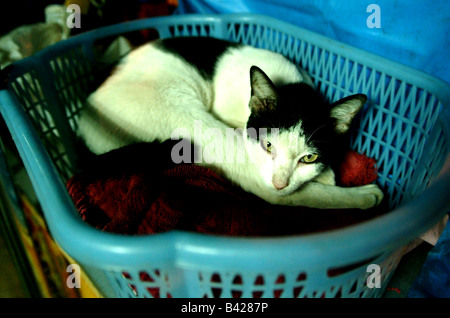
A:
(149, 157)
(294, 102)
(201, 52)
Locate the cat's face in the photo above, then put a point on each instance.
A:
(286, 157)
(292, 134)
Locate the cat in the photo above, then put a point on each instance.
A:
(285, 132)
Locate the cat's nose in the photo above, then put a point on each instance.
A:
(279, 184)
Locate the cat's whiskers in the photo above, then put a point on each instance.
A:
(309, 138)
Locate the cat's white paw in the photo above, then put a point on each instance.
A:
(326, 177)
(370, 196)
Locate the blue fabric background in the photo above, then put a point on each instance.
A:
(416, 33)
(434, 278)
(413, 32)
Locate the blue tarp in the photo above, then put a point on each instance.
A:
(434, 277)
(416, 33)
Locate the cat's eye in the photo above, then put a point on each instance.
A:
(309, 158)
(266, 145)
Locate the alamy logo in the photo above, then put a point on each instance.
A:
(74, 18)
(219, 146)
(374, 279)
(374, 20)
(74, 279)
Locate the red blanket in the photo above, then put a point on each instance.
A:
(128, 192)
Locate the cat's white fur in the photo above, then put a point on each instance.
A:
(152, 93)
(233, 108)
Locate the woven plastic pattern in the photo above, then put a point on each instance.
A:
(53, 95)
(334, 282)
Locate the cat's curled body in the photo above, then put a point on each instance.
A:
(253, 114)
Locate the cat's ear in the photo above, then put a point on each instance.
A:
(345, 110)
(263, 93)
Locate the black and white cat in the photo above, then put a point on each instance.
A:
(232, 101)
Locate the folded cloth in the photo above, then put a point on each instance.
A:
(138, 190)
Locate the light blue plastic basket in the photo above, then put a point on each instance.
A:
(404, 126)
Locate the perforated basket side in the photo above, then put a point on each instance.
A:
(353, 281)
(73, 76)
(29, 90)
(52, 91)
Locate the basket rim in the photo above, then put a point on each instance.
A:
(91, 246)
(437, 87)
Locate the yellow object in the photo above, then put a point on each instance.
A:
(48, 261)
(83, 4)
(87, 290)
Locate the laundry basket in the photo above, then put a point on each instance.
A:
(404, 126)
